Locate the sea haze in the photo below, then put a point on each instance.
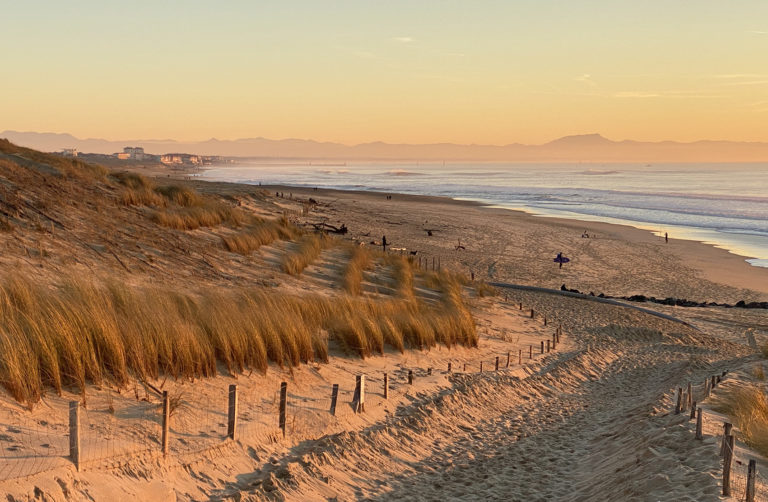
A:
(722, 204)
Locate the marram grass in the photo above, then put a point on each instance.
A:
(79, 332)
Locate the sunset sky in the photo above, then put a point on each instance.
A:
(398, 71)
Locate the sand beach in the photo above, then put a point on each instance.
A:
(591, 418)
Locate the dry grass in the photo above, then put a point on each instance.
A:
(261, 234)
(308, 250)
(758, 372)
(5, 225)
(360, 260)
(191, 218)
(482, 290)
(402, 274)
(748, 407)
(78, 332)
(68, 166)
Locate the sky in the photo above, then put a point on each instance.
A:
(487, 72)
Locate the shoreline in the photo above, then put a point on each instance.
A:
(713, 263)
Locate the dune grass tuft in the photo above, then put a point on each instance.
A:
(76, 332)
(360, 260)
(308, 250)
(748, 407)
(261, 233)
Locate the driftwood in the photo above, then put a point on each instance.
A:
(327, 227)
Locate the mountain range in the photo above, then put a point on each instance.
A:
(578, 148)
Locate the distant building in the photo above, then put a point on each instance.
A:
(180, 159)
(122, 156)
(134, 152)
(69, 152)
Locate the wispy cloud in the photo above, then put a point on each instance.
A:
(758, 32)
(739, 75)
(586, 78)
(404, 40)
(681, 94)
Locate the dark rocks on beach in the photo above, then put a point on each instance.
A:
(676, 302)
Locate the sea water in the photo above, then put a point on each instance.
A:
(722, 204)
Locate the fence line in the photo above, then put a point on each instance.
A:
(110, 433)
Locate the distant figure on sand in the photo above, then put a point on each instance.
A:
(666, 237)
(384, 243)
(561, 259)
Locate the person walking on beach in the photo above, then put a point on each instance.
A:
(384, 243)
(666, 237)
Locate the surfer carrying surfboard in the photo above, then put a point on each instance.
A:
(561, 259)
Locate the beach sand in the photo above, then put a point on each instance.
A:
(591, 420)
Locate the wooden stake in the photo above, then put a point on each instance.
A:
(693, 411)
(481, 366)
(679, 406)
(713, 384)
(166, 422)
(283, 402)
(232, 412)
(542, 346)
(497, 364)
(509, 355)
(727, 458)
(547, 345)
(465, 367)
(751, 473)
(386, 386)
(726, 432)
(449, 367)
(521, 306)
(335, 395)
(429, 371)
(520, 357)
(74, 433)
(532, 314)
(410, 377)
(530, 352)
(699, 434)
(359, 398)
(545, 320)
(690, 397)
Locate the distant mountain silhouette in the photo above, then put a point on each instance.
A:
(578, 148)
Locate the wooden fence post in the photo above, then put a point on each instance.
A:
(509, 355)
(532, 314)
(693, 411)
(714, 382)
(481, 366)
(359, 397)
(690, 396)
(521, 306)
(545, 320)
(429, 371)
(530, 352)
(497, 364)
(283, 402)
(520, 356)
(542, 346)
(410, 377)
(547, 345)
(386, 386)
(166, 422)
(554, 341)
(726, 432)
(679, 401)
(727, 458)
(449, 367)
(232, 412)
(465, 367)
(335, 396)
(751, 472)
(699, 434)
(74, 433)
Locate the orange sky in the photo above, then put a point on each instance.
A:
(439, 71)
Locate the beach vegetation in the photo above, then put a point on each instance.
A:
(307, 250)
(360, 260)
(748, 408)
(77, 332)
(260, 233)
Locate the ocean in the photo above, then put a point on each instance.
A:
(722, 204)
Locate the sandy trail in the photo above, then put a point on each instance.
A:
(593, 423)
